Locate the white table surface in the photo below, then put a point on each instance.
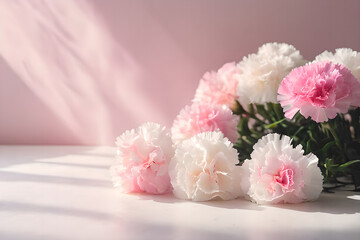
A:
(50, 192)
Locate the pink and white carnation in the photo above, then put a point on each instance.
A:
(345, 56)
(204, 168)
(319, 90)
(219, 87)
(203, 117)
(280, 173)
(143, 156)
(261, 73)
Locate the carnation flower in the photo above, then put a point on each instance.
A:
(279, 173)
(202, 117)
(203, 168)
(319, 90)
(344, 56)
(143, 156)
(219, 87)
(262, 73)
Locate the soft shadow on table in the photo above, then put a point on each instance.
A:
(299, 234)
(82, 165)
(28, 177)
(16, 155)
(233, 204)
(163, 198)
(333, 203)
(230, 204)
(13, 155)
(131, 229)
(56, 210)
(19, 236)
(134, 229)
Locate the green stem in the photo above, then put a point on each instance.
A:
(278, 110)
(338, 143)
(249, 115)
(274, 124)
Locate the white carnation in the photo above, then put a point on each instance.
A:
(344, 56)
(262, 73)
(204, 168)
(280, 173)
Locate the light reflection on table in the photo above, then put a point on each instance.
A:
(65, 193)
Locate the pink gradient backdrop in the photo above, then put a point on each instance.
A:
(82, 72)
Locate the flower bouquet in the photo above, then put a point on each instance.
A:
(273, 128)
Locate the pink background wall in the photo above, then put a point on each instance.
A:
(82, 72)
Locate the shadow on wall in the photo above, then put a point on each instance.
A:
(25, 118)
(65, 57)
(87, 70)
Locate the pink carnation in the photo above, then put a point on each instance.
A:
(219, 87)
(319, 90)
(143, 156)
(202, 117)
(280, 173)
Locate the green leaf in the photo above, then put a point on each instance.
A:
(299, 130)
(274, 124)
(308, 146)
(243, 126)
(311, 135)
(278, 110)
(330, 169)
(343, 167)
(251, 109)
(327, 147)
(271, 111)
(262, 111)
